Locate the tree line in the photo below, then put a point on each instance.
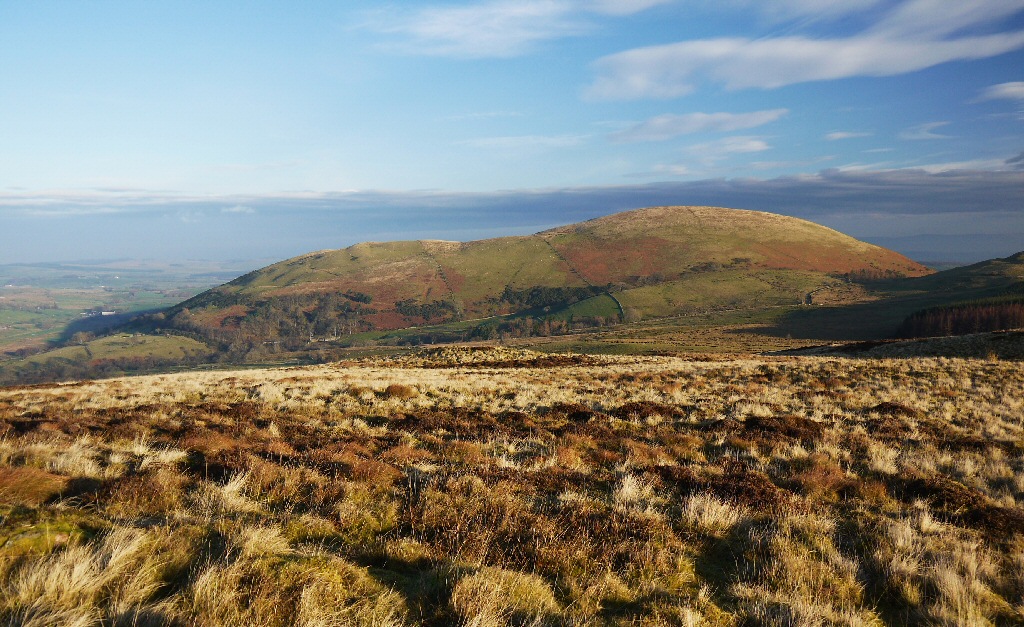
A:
(964, 318)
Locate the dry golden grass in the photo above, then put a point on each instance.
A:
(507, 488)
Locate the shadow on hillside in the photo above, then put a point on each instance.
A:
(98, 324)
(852, 323)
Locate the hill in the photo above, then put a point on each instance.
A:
(652, 262)
(663, 280)
(107, 356)
(987, 282)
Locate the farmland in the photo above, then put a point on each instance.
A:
(500, 486)
(45, 304)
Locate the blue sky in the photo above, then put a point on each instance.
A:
(267, 129)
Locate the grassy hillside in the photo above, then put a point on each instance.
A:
(1007, 345)
(105, 356)
(673, 239)
(503, 487)
(897, 299)
(654, 262)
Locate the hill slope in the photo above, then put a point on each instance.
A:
(994, 279)
(649, 262)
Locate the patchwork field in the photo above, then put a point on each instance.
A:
(42, 305)
(504, 487)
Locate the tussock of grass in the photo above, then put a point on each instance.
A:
(658, 491)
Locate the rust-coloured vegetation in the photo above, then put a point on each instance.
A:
(494, 487)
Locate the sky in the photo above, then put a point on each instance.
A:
(254, 130)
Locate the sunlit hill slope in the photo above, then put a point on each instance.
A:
(644, 263)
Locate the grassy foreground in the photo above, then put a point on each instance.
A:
(503, 487)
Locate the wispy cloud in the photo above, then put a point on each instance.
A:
(500, 28)
(485, 115)
(677, 169)
(64, 211)
(957, 166)
(1017, 162)
(191, 216)
(621, 7)
(297, 223)
(839, 135)
(1003, 91)
(914, 35)
(520, 142)
(924, 132)
(495, 29)
(238, 209)
(784, 10)
(906, 190)
(667, 126)
(704, 159)
(728, 146)
(778, 165)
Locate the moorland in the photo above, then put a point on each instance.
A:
(506, 487)
(672, 416)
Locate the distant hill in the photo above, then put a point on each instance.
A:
(653, 262)
(652, 281)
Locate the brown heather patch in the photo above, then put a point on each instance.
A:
(227, 318)
(602, 491)
(27, 486)
(788, 426)
(404, 392)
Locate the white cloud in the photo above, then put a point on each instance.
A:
(914, 35)
(865, 167)
(622, 7)
(674, 170)
(709, 155)
(729, 145)
(238, 209)
(519, 142)
(1003, 91)
(503, 28)
(778, 165)
(191, 217)
(924, 131)
(67, 212)
(484, 115)
(668, 71)
(838, 135)
(974, 165)
(667, 126)
(499, 28)
(934, 19)
(779, 10)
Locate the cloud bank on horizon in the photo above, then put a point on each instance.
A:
(209, 130)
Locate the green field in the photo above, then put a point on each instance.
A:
(123, 346)
(43, 304)
(106, 356)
